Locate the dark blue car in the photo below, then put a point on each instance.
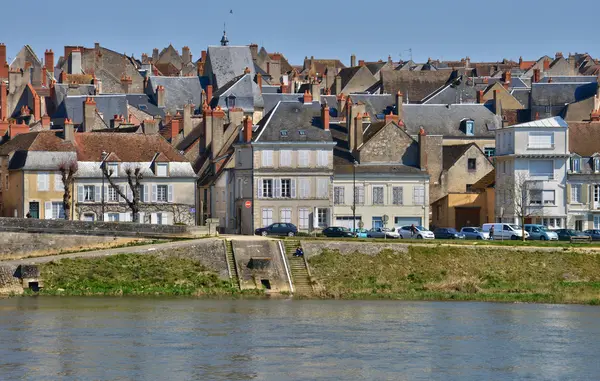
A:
(280, 228)
(447, 233)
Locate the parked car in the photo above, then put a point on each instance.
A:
(360, 233)
(421, 233)
(337, 231)
(540, 232)
(595, 234)
(279, 228)
(382, 233)
(505, 231)
(475, 233)
(572, 235)
(447, 233)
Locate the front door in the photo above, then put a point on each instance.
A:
(34, 209)
(579, 225)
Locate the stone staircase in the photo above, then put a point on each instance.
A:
(235, 281)
(300, 275)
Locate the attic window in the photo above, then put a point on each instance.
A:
(597, 164)
(283, 133)
(470, 127)
(302, 132)
(231, 101)
(143, 107)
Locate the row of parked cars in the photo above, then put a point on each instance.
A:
(501, 231)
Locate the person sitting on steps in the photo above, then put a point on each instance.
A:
(299, 252)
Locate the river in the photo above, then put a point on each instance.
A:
(73, 338)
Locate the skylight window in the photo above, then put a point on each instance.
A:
(143, 107)
(302, 132)
(283, 133)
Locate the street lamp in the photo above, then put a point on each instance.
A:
(102, 164)
(354, 165)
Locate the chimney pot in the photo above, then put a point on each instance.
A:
(307, 97)
(325, 117)
(247, 129)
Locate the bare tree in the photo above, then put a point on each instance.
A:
(134, 176)
(523, 198)
(68, 169)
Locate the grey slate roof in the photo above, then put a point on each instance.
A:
(63, 90)
(179, 91)
(271, 100)
(522, 95)
(570, 79)
(549, 99)
(108, 105)
(292, 117)
(446, 119)
(246, 93)
(227, 62)
(142, 102)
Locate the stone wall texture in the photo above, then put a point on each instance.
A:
(210, 252)
(312, 248)
(8, 283)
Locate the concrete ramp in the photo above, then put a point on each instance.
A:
(260, 265)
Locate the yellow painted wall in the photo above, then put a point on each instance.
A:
(31, 192)
(444, 212)
(12, 197)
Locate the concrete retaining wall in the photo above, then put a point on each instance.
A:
(8, 283)
(210, 252)
(261, 253)
(312, 248)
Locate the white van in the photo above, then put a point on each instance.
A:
(505, 231)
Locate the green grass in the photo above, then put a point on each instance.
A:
(132, 274)
(453, 273)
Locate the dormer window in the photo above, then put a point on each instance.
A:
(231, 102)
(575, 164)
(470, 127)
(597, 164)
(162, 169)
(113, 169)
(283, 133)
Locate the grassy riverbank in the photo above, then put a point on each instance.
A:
(132, 274)
(448, 273)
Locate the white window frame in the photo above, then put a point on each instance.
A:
(271, 188)
(576, 193)
(285, 158)
(359, 195)
(596, 222)
(58, 210)
(576, 164)
(266, 158)
(266, 216)
(541, 175)
(162, 169)
(596, 193)
(43, 181)
(322, 158)
(58, 184)
(113, 169)
(322, 217)
(538, 140)
(159, 197)
(285, 215)
(303, 158)
(286, 188)
(112, 195)
(86, 193)
(379, 188)
(303, 218)
(549, 197)
(304, 187)
(113, 217)
(419, 195)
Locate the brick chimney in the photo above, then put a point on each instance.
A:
(175, 127)
(89, 109)
(3, 63)
(307, 97)
(209, 94)
(188, 110)
(3, 101)
(259, 82)
(358, 130)
(546, 64)
(361, 63)
(154, 55)
(18, 129)
(399, 105)
(45, 122)
(207, 120)
(203, 56)
(341, 99)
(325, 117)
(507, 76)
(253, 50)
(37, 107)
(49, 60)
(391, 118)
(480, 96)
(160, 96)
(4, 124)
(200, 68)
(353, 60)
(247, 133)
(126, 82)
(536, 76)
(186, 56)
(218, 121)
(423, 149)
(315, 91)
(595, 116)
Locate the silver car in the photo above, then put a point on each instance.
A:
(420, 233)
(475, 233)
(382, 233)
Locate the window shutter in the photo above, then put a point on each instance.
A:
(154, 192)
(259, 189)
(584, 193)
(277, 185)
(40, 181)
(170, 195)
(123, 217)
(48, 210)
(58, 186)
(105, 217)
(293, 188)
(316, 218)
(165, 218)
(122, 189)
(146, 198)
(568, 193)
(80, 193)
(97, 193)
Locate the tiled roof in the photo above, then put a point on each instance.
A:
(128, 147)
(584, 138)
(36, 141)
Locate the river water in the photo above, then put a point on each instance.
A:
(72, 338)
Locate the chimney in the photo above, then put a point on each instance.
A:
(307, 97)
(3, 63)
(399, 107)
(218, 121)
(284, 88)
(203, 56)
(361, 63)
(175, 127)
(558, 55)
(18, 129)
(537, 115)
(341, 99)
(497, 103)
(391, 118)
(160, 96)
(89, 109)
(37, 107)
(69, 130)
(186, 56)
(536, 76)
(338, 85)
(49, 61)
(253, 51)
(188, 110)
(423, 149)
(126, 82)
(154, 55)
(4, 124)
(117, 121)
(325, 117)
(595, 116)
(358, 130)
(3, 101)
(507, 76)
(389, 61)
(44, 77)
(259, 82)
(45, 122)
(15, 80)
(315, 91)
(207, 119)
(75, 62)
(200, 68)
(247, 129)
(353, 60)
(480, 96)
(546, 64)
(209, 94)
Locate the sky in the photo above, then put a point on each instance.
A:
(374, 29)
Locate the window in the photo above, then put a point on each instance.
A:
(301, 132)
(472, 164)
(113, 217)
(283, 133)
(470, 127)
(576, 193)
(267, 158)
(160, 220)
(58, 183)
(359, 195)
(142, 194)
(112, 195)
(378, 195)
(285, 215)
(323, 188)
(548, 197)
(397, 195)
(267, 188)
(303, 218)
(162, 169)
(303, 158)
(58, 211)
(535, 197)
(285, 158)
(338, 196)
(322, 158)
(162, 193)
(304, 188)
(113, 169)
(322, 217)
(469, 188)
(286, 188)
(88, 193)
(239, 190)
(504, 167)
(575, 167)
(596, 222)
(541, 169)
(267, 217)
(419, 195)
(489, 151)
(596, 164)
(596, 193)
(540, 140)
(43, 181)
(377, 222)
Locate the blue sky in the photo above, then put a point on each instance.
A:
(444, 29)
